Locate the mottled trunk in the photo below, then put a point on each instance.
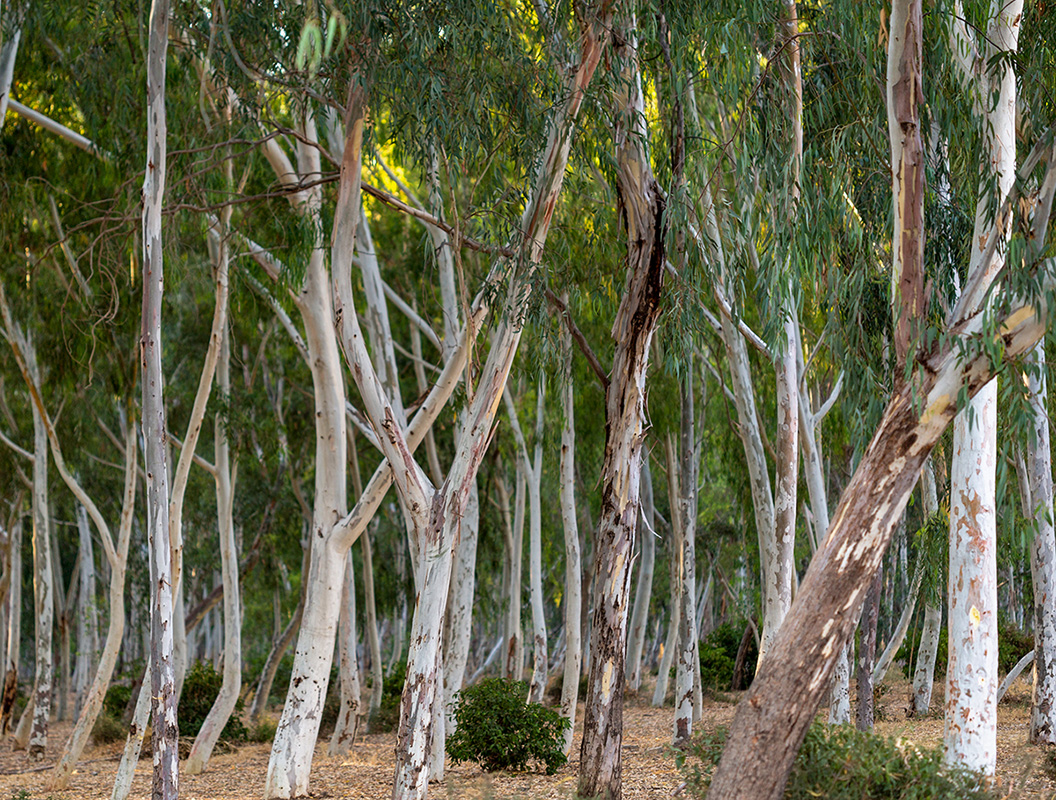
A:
(87, 613)
(642, 206)
(924, 672)
(163, 678)
(377, 675)
(14, 625)
(43, 580)
(867, 655)
(572, 604)
(514, 663)
(540, 652)
(460, 607)
(688, 653)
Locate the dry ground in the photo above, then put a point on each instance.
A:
(648, 765)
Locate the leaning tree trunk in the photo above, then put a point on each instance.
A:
(642, 204)
(163, 677)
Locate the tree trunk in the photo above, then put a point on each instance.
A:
(14, 625)
(572, 604)
(540, 654)
(43, 578)
(349, 711)
(377, 674)
(643, 592)
(271, 663)
(867, 654)
(899, 636)
(163, 676)
(688, 653)
(642, 206)
(670, 646)
(224, 705)
(514, 664)
(87, 612)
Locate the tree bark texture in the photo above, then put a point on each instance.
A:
(688, 652)
(642, 207)
(43, 578)
(644, 590)
(867, 654)
(163, 676)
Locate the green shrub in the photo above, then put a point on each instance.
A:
(841, 763)
(496, 727)
(200, 688)
(387, 717)
(718, 658)
(263, 731)
(108, 729)
(116, 701)
(1012, 645)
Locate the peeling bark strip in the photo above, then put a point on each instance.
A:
(642, 206)
(163, 677)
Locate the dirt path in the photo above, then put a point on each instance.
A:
(648, 765)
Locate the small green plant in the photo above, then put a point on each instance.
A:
(200, 688)
(20, 794)
(496, 727)
(116, 700)
(263, 731)
(841, 763)
(108, 729)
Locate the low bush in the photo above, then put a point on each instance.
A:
(263, 731)
(496, 727)
(718, 658)
(116, 701)
(108, 729)
(841, 763)
(200, 689)
(1012, 645)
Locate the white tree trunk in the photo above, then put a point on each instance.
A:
(224, 705)
(688, 653)
(460, 607)
(43, 577)
(540, 653)
(971, 714)
(514, 663)
(348, 668)
(377, 673)
(643, 592)
(87, 612)
(572, 605)
(670, 646)
(924, 672)
(1042, 556)
(9, 38)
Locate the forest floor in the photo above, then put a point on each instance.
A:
(648, 762)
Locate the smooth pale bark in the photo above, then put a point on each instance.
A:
(87, 612)
(1014, 673)
(231, 685)
(514, 661)
(924, 672)
(14, 624)
(572, 605)
(643, 591)
(377, 675)
(971, 713)
(163, 675)
(134, 743)
(642, 202)
(349, 711)
(9, 38)
(43, 578)
(688, 652)
(460, 607)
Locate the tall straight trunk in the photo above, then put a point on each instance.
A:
(867, 654)
(163, 676)
(540, 655)
(377, 674)
(9, 38)
(572, 605)
(688, 653)
(87, 612)
(62, 623)
(971, 714)
(43, 579)
(643, 591)
(14, 625)
(514, 663)
(460, 607)
(642, 205)
(231, 686)
(1042, 557)
(670, 645)
(349, 711)
(924, 671)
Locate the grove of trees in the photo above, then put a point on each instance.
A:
(706, 316)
